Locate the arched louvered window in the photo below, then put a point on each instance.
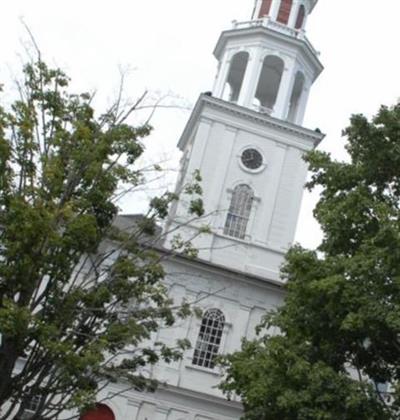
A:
(265, 8)
(284, 11)
(235, 78)
(269, 84)
(209, 339)
(300, 17)
(239, 211)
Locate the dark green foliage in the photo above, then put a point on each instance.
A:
(79, 298)
(340, 322)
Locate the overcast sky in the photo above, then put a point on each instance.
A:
(169, 45)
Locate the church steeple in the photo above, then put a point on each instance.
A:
(268, 64)
(247, 140)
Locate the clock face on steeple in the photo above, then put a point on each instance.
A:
(252, 159)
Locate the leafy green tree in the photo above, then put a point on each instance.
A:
(339, 326)
(79, 297)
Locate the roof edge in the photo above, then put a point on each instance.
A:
(205, 99)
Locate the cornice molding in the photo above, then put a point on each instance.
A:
(263, 120)
(221, 270)
(200, 396)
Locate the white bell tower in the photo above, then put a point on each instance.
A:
(246, 139)
(267, 64)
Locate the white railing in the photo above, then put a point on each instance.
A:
(279, 27)
(276, 26)
(247, 23)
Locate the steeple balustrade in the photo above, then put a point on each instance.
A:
(276, 26)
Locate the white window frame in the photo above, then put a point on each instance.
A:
(238, 220)
(212, 339)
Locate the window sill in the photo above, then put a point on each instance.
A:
(213, 372)
(249, 241)
(245, 241)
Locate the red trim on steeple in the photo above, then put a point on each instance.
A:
(265, 8)
(300, 17)
(284, 11)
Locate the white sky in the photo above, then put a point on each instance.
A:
(169, 43)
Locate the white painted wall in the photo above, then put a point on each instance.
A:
(219, 134)
(190, 392)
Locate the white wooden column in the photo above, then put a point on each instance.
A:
(294, 13)
(246, 80)
(257, 6)
(222, 75)
(285, 89)
(251, 79)
(199, 147)
(275, 9)
(303, 104)
(200, 144)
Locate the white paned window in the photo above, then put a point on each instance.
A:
(209, 339)
(239, 211)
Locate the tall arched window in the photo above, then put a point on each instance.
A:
(284, 11)
(235, 78)
(209, 339)
(300, 17)
(239, 211)
(268, 84)
(265, 8)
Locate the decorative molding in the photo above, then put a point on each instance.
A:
(231, 273)
(203, 119)
(170, 389)
(250, 115)
(282, 146)
(301, 43)
(231, 129)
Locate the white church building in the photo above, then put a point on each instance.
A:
(247, 140)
